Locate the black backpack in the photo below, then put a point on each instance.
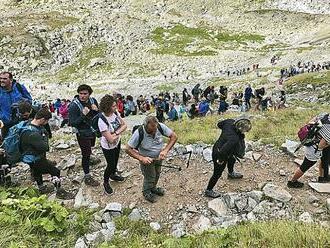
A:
(141, 133)
(95, 124)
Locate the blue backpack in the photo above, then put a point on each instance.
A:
(12, 143)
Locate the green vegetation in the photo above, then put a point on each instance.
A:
(84, 58)
(300, 81)
(186, 41)
(165, 88)
(269, 127)
(262, 234)
(30, 220)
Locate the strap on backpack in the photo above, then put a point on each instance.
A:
(141, 134)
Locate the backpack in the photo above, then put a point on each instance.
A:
(307, 134)
(12, 143)
(95, 124)
(141, 133)
(80, 106)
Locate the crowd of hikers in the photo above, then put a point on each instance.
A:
(25, 133)
(306, 67)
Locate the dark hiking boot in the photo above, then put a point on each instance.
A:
(45, 189)
(235, 175)
(295, 184)
(117, 178)
(158, 191)
(63, 194)
(107, 188)
(211, 193)
(323, 179)
(91, 181)
(150, 197)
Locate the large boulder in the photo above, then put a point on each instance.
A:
(276, 192)
(218, 207)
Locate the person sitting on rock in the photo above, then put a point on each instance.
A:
(34, 145)
(227, 149)
(150, 152)
(318, 149)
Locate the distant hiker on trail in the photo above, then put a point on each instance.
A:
(82, 110)
(227, 149)
(34, 145)
(150, 152)
(247, 96)
(185, 96)
(196, 92)
(111, 126)
(11, 92)
(64, 112)
(318, 148)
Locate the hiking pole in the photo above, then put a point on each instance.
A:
(172, 167)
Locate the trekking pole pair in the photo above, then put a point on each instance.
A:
(177, 167)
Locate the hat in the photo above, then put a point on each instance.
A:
(243, 124)
(325, 132)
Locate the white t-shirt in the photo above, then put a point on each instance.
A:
(114, 125)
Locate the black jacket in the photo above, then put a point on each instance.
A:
(231, 142)
(35, 142)
(80, 121)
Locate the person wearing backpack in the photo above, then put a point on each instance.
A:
(34, 145)
(11, 92)
(82, 110)
(147, 146)
(319, 148)
(227, 149)
(111, 125)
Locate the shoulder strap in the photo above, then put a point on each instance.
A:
(159, 127)
(141, 136)
(91, 99)
(19, 87)
(104, 119)
(78, 103)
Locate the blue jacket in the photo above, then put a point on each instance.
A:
(248, 93)
(8, 98)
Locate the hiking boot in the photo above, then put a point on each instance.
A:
(63, 194)
(235, 175)
(295, 184)
(211, 193)
(158, 191)
(323, 179)
(150, 197)
(91, 181)
(44, 189)
(107, 188)
(117, 178)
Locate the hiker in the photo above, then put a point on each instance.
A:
(223, 93)
(203, 107)
(259, 93)
(111, 127)
(150, 152)
(196, 91)
(223, 106)
(57, 105)
(34, 145)
(317, 149)
(227, 149)
(247, 96)
(173, 114)
(64, 112)
(11, 92)
(82, 110)
(185, 96)
(193, 111)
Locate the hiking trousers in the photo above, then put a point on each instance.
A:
(43, 166)
(111, 156)
(219, 167)
(151, 175)
(86, 144)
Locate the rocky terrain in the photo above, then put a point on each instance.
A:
(148, 46)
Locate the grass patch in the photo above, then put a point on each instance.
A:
(84, 57)
(302, 80)
(262, 234)
(271, 127)
(164, 88)
(187, 41)
(30, 220)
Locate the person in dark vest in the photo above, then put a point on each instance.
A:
(227, 149)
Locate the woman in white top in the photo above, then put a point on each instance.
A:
(111, 126)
